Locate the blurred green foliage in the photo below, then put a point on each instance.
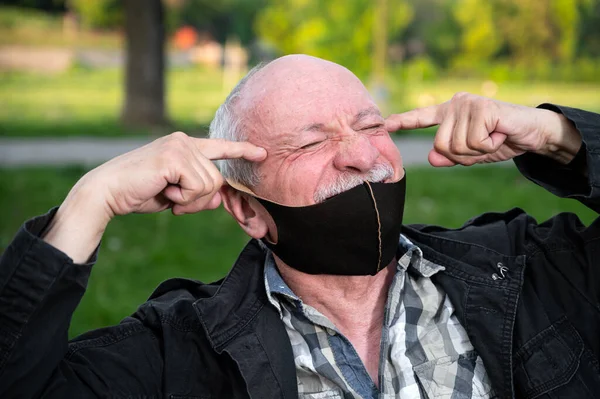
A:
(103, 14)
(337, 30)
(500, 39)
(140, 251)
(504, 40)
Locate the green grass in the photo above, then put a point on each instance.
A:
(140, 251)
(88, 102)
(408, 95)
(578, 95)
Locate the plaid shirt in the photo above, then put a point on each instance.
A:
(425, 352)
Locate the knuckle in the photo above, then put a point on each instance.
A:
(186, 199)
(178, 136)
(459, 148)
(466, 99)
(460, 96)
(442, 148)
(200, 187)
(475, 144)
(218, 181)
(485, 101)
(209, 186)
(472, 142)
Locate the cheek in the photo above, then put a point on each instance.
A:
(302, 177)
(293, 183)
(388, 149)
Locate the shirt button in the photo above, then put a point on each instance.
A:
(331, 331)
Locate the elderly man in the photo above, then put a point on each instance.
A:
(328, 299)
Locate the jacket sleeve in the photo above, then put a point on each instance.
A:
(580, 179)
(40, 287)
(563, 242)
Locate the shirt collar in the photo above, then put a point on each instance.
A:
(411, 256)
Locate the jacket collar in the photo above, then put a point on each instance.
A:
(238, 300)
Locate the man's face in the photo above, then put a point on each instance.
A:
(322, 131)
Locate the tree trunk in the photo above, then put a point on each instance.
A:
(145, 63)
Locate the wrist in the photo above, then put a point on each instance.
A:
(79, 224)
(562, 139)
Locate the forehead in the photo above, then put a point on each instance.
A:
(285, 98)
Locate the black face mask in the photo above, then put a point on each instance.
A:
(354, 233)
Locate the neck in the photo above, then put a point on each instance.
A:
(355, 304)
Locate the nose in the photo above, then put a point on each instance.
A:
(356, 154)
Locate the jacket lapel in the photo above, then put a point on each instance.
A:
(485, 299)
(240, 321)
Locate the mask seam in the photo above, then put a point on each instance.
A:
(378, 225)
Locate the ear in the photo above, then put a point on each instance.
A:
(247, 211)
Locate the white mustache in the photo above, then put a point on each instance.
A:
(345, 182)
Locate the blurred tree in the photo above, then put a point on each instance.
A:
(144, 71)
(337, 30)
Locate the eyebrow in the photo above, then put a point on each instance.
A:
(366, 112)
(314, 127)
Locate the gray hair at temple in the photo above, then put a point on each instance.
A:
(227, 125)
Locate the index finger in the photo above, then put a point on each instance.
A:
(214, 149)
(416, 119)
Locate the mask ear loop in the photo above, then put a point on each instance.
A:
(244, 189)
(378, 225)
(240, 187)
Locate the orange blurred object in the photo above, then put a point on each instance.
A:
(185, 37)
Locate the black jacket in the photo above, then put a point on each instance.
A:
(536, 324)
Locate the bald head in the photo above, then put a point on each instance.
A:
(299, 107)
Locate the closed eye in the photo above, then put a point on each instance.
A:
(310, 145)
(370, 127)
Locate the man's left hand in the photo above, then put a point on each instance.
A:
(474, 129)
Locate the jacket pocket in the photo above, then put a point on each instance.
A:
(549, 361)
(453, 376)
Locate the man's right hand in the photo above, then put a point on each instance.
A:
(171, 172)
